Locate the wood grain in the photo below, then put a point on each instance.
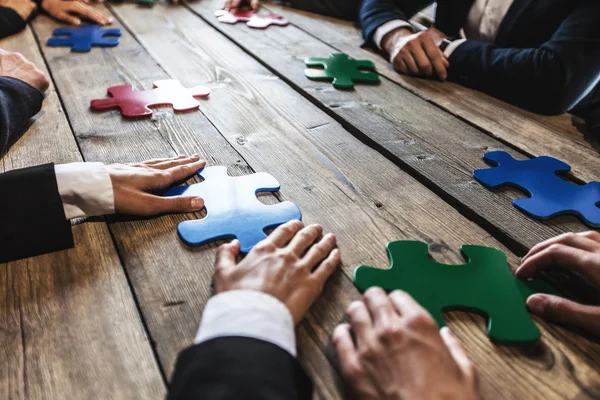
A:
(438, 149)
(340, 182)
(69, 327)
(533, 134)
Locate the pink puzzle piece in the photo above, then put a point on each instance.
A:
(251, 18)
(165, 92)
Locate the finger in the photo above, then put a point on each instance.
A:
(446, 62)
(284, 233)
(181, 172)
(319, 251)
(423, 62)
(176, 162)
(254, 4)
(305, 238)
(361, 323)
(380, 307)
(411, 64)
(561, 256)
(90, 13)
(436, 57)
(178, 204)
(235, 3)
(160, 160)
(579, 241)
(458, 352)
(565, 311)
(66, 17)
(401, 66)
(347, 353)
(405, 305)
(327, 267)
(227, 254)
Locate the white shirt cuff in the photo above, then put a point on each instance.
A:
(85, 189)
(248, 313)
(387, 28)
(453, 46)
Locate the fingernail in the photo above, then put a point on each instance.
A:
(195, 156)
(519, 272)
(536, 304)
(197, 203)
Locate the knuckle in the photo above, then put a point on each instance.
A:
(555, 248)
(368, 353)
(390, 334)
(420, 322)
(265, 246)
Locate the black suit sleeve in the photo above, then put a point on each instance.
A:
(549, 79)
(238, 368)
(18, 103)
(10, 22)
(31, 213)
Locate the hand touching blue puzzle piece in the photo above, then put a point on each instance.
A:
(550, 195)
(232, 208)
(82, 39)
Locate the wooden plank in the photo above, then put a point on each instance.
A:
(338, 181)
(533, 134)
(437, 148)
(69, 328)
(171, 302)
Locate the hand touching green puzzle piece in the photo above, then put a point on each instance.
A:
(484, 285)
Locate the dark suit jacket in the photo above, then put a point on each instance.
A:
(238, 368)
(546, 57)
(32, 219)
(11, 22)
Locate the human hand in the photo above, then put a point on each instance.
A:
(133, 185)
(579, 252)
(22, 7)
(73, 11)
(417, 54)
(287, 265)
(16, 66)
(234, 4)
(400, 353)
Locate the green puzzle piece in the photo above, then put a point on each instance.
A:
(484, 285)
(342, 70)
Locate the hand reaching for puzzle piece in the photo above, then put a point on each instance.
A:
(400, 353)
(579, 252)
(73, 11)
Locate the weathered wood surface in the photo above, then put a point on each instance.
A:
(533, 134)
(304, 134)
(336, 180)
(69, 328)
(437, 148)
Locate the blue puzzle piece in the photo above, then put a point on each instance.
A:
(232, 208)
(82, 39)
(549, 195)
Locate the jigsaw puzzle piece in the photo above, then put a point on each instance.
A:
(484, 285)
(262, 21)
(82, 39)
(232, 208)
(341, 69)
(233, 17)
(130, 102)
(171, 91)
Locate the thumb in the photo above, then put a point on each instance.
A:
(565, 311)
(459, 354)
(176, 204)
(227, 254)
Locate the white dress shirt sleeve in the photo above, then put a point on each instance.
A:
(453, 46)
(85, 189)
(387, 28)
(248, 313)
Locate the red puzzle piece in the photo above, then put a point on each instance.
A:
(251, 18)
(165, 92)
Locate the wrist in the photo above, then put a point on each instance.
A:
(388, 43)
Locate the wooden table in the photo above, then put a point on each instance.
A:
(107, 319)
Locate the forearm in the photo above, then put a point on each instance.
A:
(546, 80)
(375, 13)
(19, 102)
(10, 22)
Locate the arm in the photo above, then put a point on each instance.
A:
(37, 203)
(550, 79)
(375, 13)
(14, 14)
(245, 347)
(19, 102)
